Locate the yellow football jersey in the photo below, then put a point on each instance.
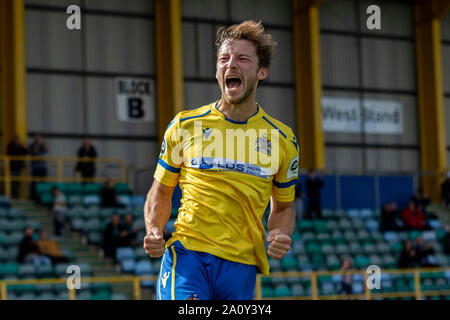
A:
(227, 171)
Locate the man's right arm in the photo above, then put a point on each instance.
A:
(156, 214)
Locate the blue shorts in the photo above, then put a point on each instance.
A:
(193, 275)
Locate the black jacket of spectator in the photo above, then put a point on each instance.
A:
(112, 239)
(16, 149)
(86, 168)
(109, 197)
(389, 219)
(27, 246)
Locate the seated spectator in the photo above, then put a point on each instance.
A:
(128, 234)
(346, 282)
(59, 211)
(425, 252)
(390, 217)
(29, 251)
(413, 217)
(422, 201)
(50, 248)
(446, 239)
(112, 236)
(408, 256)
(109, 196)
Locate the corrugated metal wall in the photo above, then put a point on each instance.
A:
(70, 73)
(359, 63)
(70, 78)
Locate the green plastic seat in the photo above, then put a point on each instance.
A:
(43, 187)
(46, 198)
(267, 292)
(289, 263)
(320, 226)
(92, 188)
(122, 188)
(313, 248)
(101, 295)
(75, 188)
(9, 269)
(414, 234)
(305, 225)
(361, 262)
(396, 247)
(282, 291)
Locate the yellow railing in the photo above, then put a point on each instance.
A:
(58, 164)
(367, 295)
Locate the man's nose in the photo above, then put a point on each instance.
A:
(232, 62)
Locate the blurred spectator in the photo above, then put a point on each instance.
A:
(390, 217)
(59, 211)
(50, 248)
(109, 196)
(420, 199)
(446, 239)
(408, 256)
(128, 232)
(112, 236)
(314, 183)
(445, 189)
(16, 148)
(38, 168)
(298, 201)
(29, 251)
(87, 151)
(425, 253)
(346, 282)
(413, 218)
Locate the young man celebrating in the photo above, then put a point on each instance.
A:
(229, 158)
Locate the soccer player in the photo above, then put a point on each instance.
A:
(229, 158)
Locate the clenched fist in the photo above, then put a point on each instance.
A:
(154, 243)
(280, 244)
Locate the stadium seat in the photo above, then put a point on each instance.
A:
(320, 226)
(124, 200)
(282, 291)
(358, 287)
(366, 213)
(390, 236)
(289, 263)
(27, 270)
(91, 199)
(267, 292)
(342, 249)
(435, 224)
(323, 237)
(353, 213)
(327, 288)
(429, 236)
(74, 200)
(396, 247)
(389, 261)
(355, 248)
(358, 224)
(372, 225)
(77, 224)
(402, 236)
(46, 198)
(298, 247)
(91, 225)
(91, 213)
(92, 188)
(414, 234)
(127, 265)
(106, 213)
(74, 189)
(350, 235)
(16, 214)
(95, 238)
(45, 271)
(138, 201)
(363, 235)
(123, 188)
(361, 262)
(303, 260)
(376, 236)
(332, 225)
(328, 248)
(305, 225)
(344, 224)
(297, 290)
(123, 253)
(333, 262)
(308, 236)
(375, 259)
(275, 265)
(313, 248)
(369, 248)
(9, 269)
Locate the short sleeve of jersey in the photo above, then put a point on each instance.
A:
(169, 161)
(286, 178)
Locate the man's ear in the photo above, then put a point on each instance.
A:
(263, 73)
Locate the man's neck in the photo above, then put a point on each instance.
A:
(238, 112)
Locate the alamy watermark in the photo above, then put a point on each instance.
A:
(374, 279)
(74, 280)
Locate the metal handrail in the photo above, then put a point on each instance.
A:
(7, 178)
(367, 295)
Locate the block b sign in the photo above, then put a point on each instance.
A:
(135, 99)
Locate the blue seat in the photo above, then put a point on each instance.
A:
(366, 213)
(138, 201)
(123, 253)
(127, 265)
(372, 225)
(353, 213)
(391, 236)
(145, 268)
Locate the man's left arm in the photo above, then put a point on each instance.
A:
(281, 225)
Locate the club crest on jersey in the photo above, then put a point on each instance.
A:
(264, 145)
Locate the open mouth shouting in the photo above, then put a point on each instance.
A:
(232, 83)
